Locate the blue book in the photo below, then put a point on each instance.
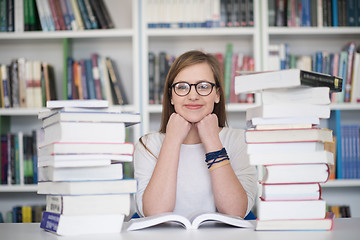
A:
(335, 19)
(84, 14)
(90, 79)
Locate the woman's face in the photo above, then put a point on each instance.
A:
(193, 107)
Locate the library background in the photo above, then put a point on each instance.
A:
(43, 44)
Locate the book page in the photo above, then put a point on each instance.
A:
(199, 218)
(145, 222)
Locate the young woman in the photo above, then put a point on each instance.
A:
(194, 163)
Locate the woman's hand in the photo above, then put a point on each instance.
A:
(208, 130)
(177, 128)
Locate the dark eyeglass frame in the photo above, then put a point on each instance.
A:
(194, 84)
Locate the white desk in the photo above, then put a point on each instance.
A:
(344, 229)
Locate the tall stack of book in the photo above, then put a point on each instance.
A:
(80, 167)
(285, 140)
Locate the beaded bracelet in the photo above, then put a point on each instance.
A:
(216, 159)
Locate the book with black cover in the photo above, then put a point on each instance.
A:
(286, 78)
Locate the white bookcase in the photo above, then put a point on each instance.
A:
(176, 41)
(120, 44)
(129, 44)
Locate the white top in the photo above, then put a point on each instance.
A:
(194, 192)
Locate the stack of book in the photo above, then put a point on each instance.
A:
(80, 167)
(284, 138)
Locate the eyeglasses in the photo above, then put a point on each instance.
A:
(202, 88)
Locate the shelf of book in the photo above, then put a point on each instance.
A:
(342, 183)
(246, 31)
(19, 188)
(96, 33)
(313, 31)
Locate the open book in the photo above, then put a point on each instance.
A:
(192, 222)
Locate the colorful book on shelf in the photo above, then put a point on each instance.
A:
(288, 135)
(321, 224)
(286, 78)
(77, 15)
(288, 110)
(108, 172)
(288, 192)
(295, 173)
(117, 86)
(88, 187)
(273, 210)
(86, 148)
(190, 222)
(86, 132)
(89, 204)
(82, 224)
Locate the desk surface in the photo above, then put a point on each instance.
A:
(343, 229)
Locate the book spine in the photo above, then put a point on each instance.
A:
(50, 221)
(96, 76)
(317, 80)
(84, 14)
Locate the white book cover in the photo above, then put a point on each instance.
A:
(108, 172)
(85, 132)
(89, 204)
(82, 224)
(86, 103)
(88, 187)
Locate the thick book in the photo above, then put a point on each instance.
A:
(88, 187)
(300, 95)
(284, 79)
(89, 204)
(288, 111)
(296, 173)
(108, 172)
(291, 158)
(191, 222)
(289, 135)
(291, 147)
(271, 210)
(88, 103)
(82, 224)
(320, 224)
(281, 123)
(293, 191)
(86, 132)
(81, 160)
(96, 116)
(48, 112)
(86, 148)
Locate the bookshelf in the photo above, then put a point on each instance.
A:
(119, 43)
(178, 40)
(129, 44)
(306, 41)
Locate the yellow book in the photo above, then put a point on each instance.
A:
(26, 214)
